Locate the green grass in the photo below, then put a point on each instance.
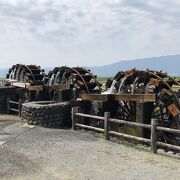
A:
(1, 80)
(102, 80)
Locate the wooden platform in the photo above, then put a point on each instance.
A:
(119, 97)
(58, 87)
(31, 87)
(28, 86)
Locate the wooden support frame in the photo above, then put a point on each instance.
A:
(27, 86)
(9, 108)
(97, 97)
(59, 87)
(119, 97)
(135, 97)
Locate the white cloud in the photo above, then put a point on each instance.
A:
(91, 32)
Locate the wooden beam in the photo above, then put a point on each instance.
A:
(27, 86)
(90, 116)
(128, 123)
(170, 146)
(135, 97)
(97, 97)
(19, 84)
(129, 136)
(59, 87)
(34, 87)
(89, 127)
(11, 80)
(119, 97)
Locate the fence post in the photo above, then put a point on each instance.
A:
(19, 107)
(73, 116)
(106, 125)
(8, 105)
(153, 136)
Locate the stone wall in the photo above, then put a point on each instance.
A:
(47, 114)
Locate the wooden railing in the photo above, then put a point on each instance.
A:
(153, 127)
(10, 108)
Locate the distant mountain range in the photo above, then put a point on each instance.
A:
(3, 73)
(169, 64)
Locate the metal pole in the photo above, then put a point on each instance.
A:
(153, 136)
(106, 125)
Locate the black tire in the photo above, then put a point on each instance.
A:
(47, 114)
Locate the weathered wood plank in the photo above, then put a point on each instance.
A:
(90, 116)
(135, 97)
(89, 127)
(173, 131)
(177, 148)
(128, 123)
(97, 97)
(120, 97)
(129, 136)
(59, 87)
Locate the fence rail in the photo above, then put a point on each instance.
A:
(90, 116)
(118, 121)
(154, 128)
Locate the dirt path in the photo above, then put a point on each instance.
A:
(29, 152)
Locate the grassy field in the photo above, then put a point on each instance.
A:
(102, 80)
(1, 81)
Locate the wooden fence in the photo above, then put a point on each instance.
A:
(154, 128)
(10, 108)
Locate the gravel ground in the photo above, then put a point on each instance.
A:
(29, 152)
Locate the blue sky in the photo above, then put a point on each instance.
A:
(87, 32)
